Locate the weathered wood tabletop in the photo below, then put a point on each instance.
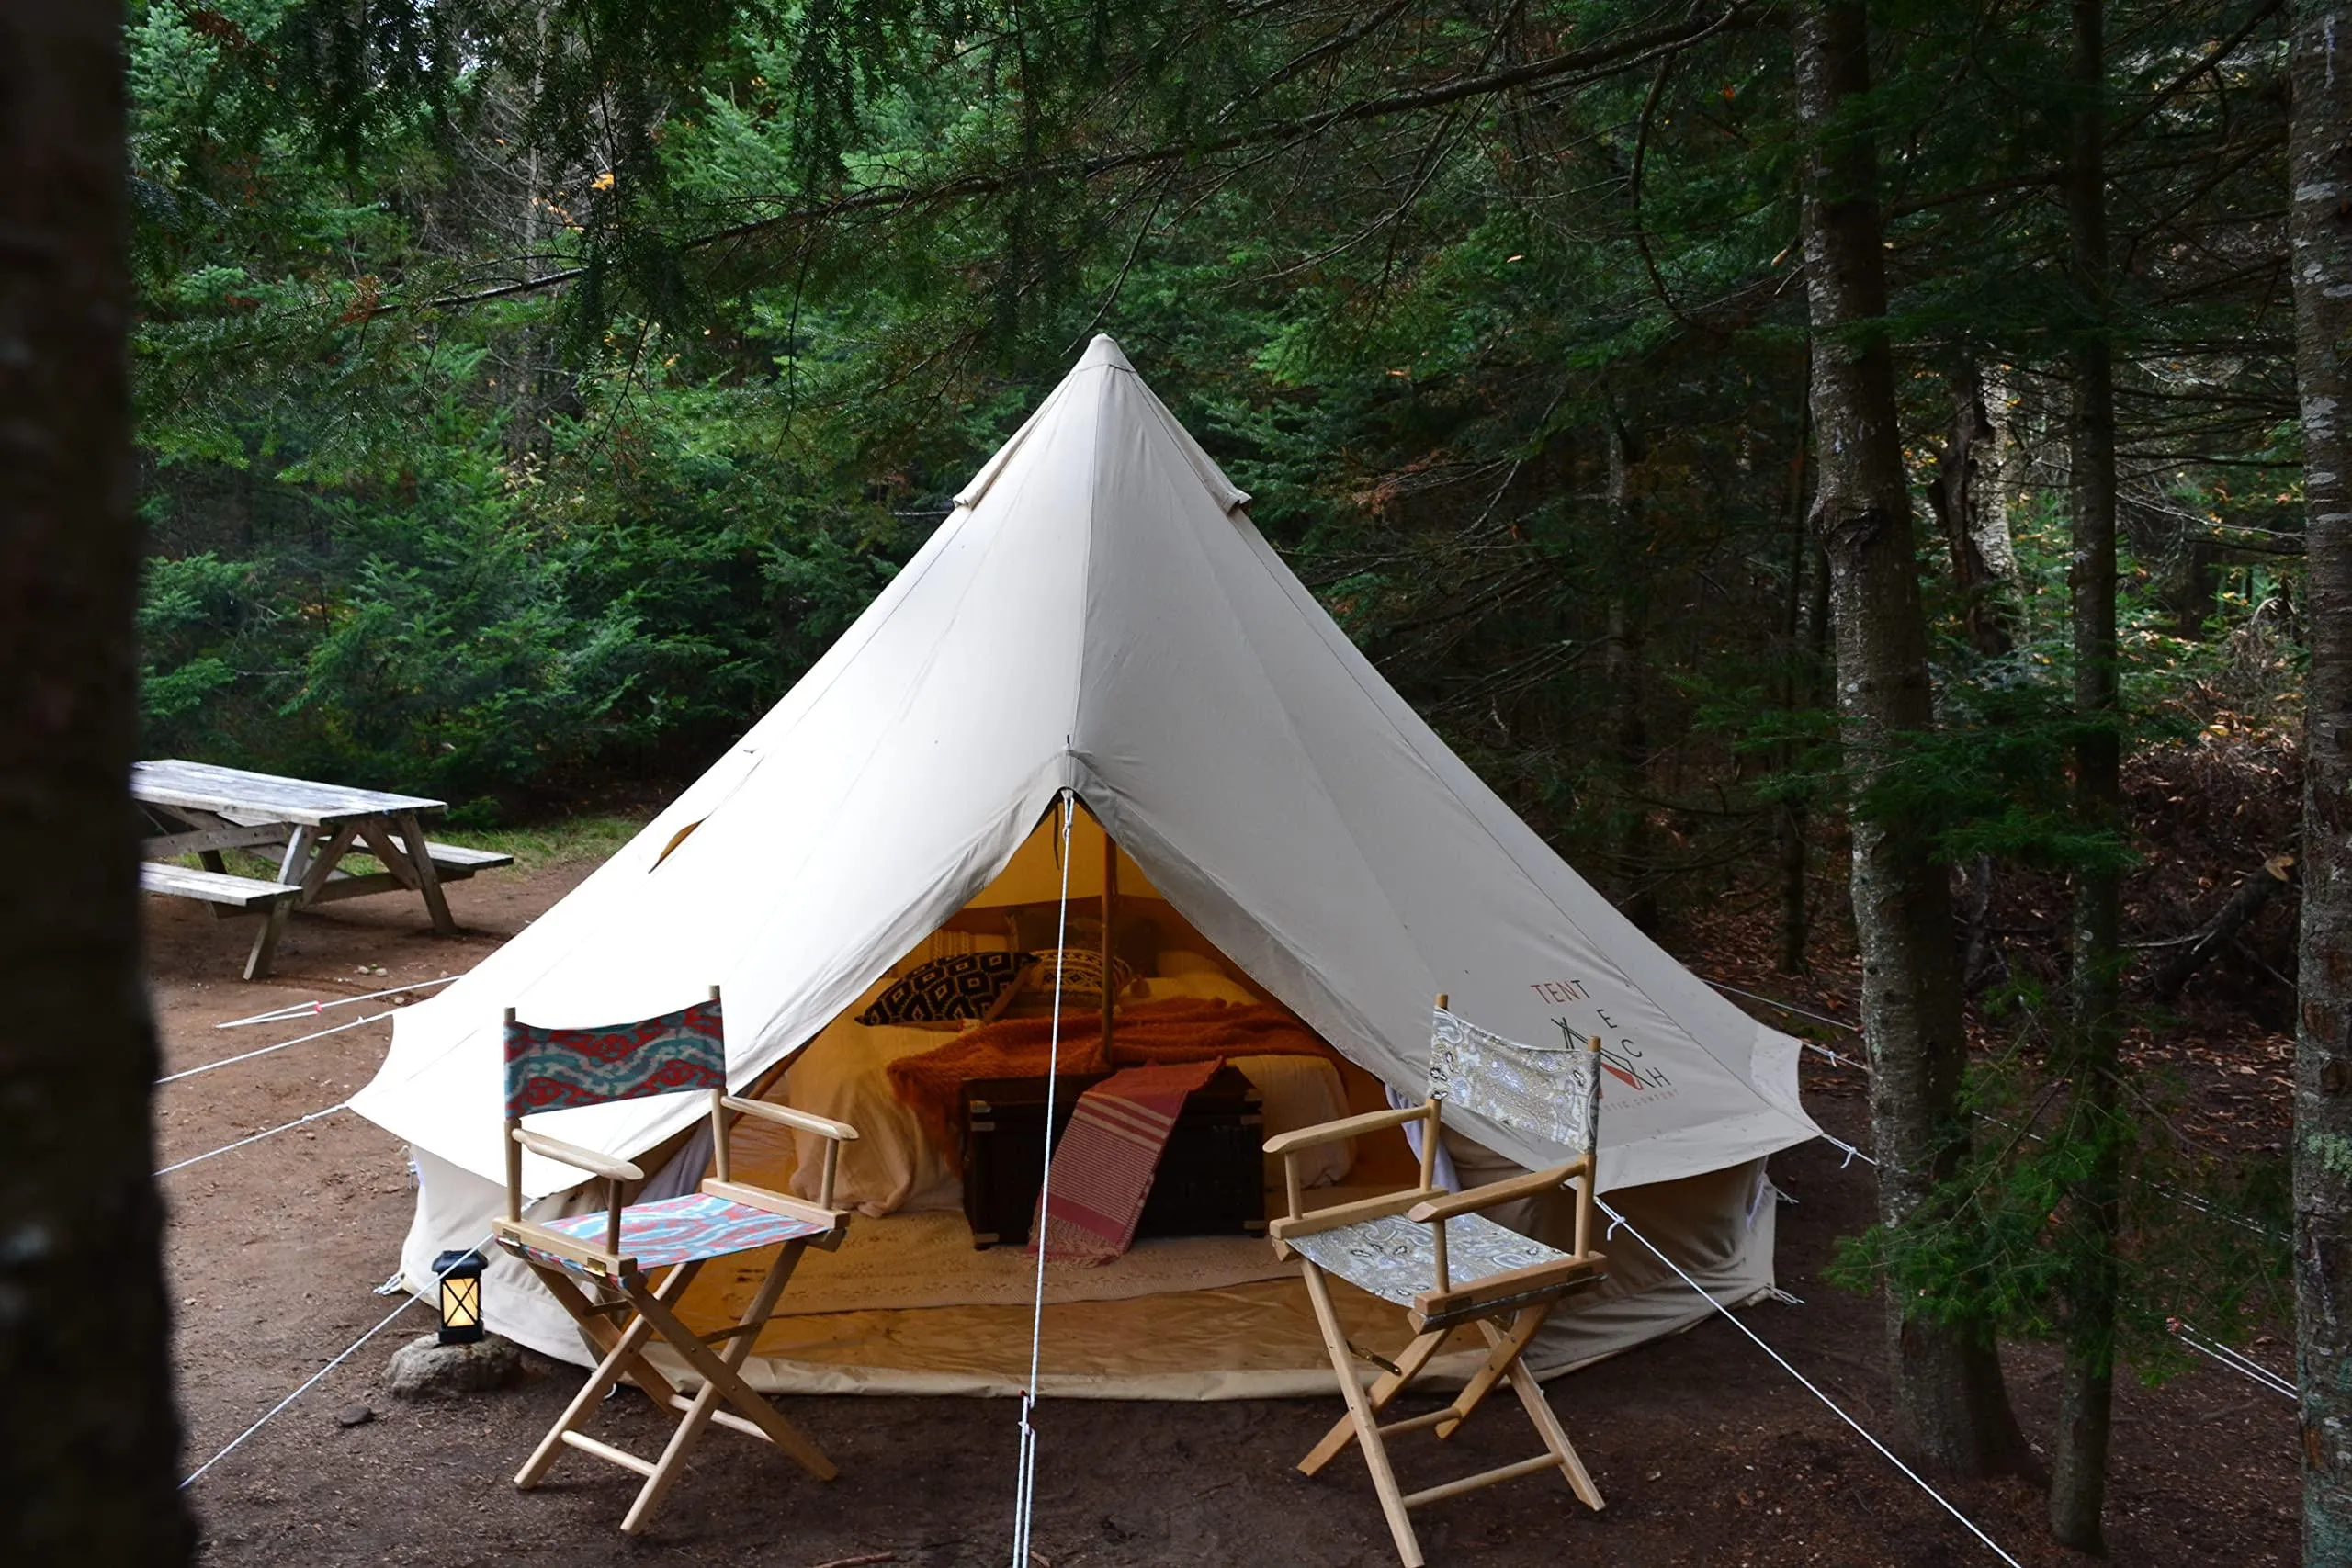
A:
(252, 799)
(199, 809)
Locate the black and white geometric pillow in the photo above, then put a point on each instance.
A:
(963, 985)
(1079, 971)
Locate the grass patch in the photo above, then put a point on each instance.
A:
(259, 864)
(547, 844)
(566, 842)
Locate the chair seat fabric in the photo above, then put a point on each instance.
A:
(1395, 1259)
(680, 1230)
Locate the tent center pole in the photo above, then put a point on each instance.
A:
(1109, 914)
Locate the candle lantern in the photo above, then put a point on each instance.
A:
(461, 1277)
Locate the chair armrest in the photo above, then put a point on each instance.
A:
(823, 1126)
(572, 1154)
(1353, 1212)
(1346, 1127)
(516, 1234)
(771, 1202)
(1533, 1184)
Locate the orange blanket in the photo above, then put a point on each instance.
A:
(1183, 1030)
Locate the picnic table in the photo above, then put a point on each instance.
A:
(197, 808)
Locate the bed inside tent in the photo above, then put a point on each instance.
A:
(910, 1305)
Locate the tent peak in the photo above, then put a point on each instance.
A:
(1134, 402)
(1103, 351)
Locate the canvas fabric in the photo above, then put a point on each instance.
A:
(1171, 670)
(563, 1069)
(679, 1230)
(1224, 1341)
(1395, 1259)
(1242, 753)
(1550, 1094)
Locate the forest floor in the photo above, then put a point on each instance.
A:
(1708, 1454)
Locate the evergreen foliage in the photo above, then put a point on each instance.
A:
(528, 396)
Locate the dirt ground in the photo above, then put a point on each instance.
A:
(1708, 1454)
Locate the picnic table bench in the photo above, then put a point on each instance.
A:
(198, 808)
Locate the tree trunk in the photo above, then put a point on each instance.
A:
(2196, 593)
(2009, 466)
(2318, 152)
(1953, 1407)
(1960, 497)
(1795, 928)
(89, 1437)
(1796, 692)
(1629, 837)
(1981, 962)
(2086, 1377)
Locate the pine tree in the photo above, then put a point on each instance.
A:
(2320, 230)
(2087, 1386)
(1954, 1408)
(88, 1434)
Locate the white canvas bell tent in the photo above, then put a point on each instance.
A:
(1100, 616)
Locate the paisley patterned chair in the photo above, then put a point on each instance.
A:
(1433, 1254)
(599, 1264)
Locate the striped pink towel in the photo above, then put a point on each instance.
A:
(1104, 1163)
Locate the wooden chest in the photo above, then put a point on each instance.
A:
(1211, 1178)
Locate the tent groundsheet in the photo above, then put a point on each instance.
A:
(1249, 1340)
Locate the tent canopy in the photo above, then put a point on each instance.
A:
(1098, 615)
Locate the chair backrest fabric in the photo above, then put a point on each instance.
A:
(556, 1069)
(1553, 1094)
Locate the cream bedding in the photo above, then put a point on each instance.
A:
(892, 1167)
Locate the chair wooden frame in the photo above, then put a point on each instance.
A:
(1507, 1308)
(620, 1308)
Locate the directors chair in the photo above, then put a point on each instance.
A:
(598, 1264)
(1432, 1253)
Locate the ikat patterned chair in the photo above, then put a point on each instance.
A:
(598, 1264)
(1433, 1254)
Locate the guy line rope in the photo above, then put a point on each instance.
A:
(299, 1010)
(255, 1138)
(280, 1016)
(313, 1380)
(2186, 1333)
(293, 1010)
(265, 1050)
(1024, 1494)
(1618, 1221)
(2185, 1198)
(2237, 1362)
(285, 1015)
(1025, 1485)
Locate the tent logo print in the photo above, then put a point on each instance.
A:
(1623, 1060)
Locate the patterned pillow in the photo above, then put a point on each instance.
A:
(964, 985)
(1038, 927)
(1081, 974)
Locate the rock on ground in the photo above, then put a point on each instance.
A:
(427, 1368)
